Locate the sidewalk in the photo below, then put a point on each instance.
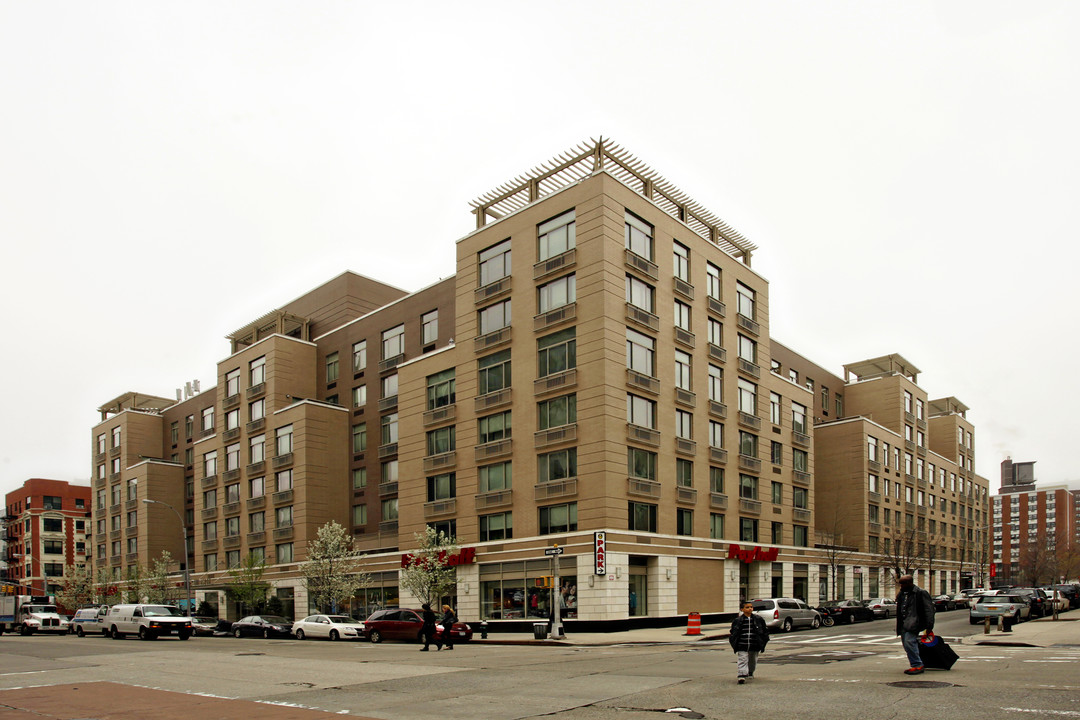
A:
(1044, 632)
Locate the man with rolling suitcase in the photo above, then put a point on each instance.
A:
(914, 614)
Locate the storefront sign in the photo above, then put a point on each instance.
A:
(754, 554)
(467, 556)
(600, 553)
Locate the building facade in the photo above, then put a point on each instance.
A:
(46, 523)
(593, 376)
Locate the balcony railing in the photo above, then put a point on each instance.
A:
(232, 508)
(717, 501)
(873, 528)
(493, 499)
(230, 402)
(800, 516)
(491, 400)
(491, 339)
(209, 545)
(282, 496)
(283, 533)
(442, 461)
(256, 502)
(282, 461)
(683, 288)
(685, 397)
(558, 381)
(717, 455)
(642, 265)
(232, 541)
(566, 313)
(874, 465)
(642, 317)
(642, 487)
(438, 415)
(643, 435)
(387, 403)
(750, 507)
(495, 449)
(641, 381)
(748, 463)
(800, 439)
(256, 468)
(554, 264)
(555, 488)
(716, 307)
(256, 390)
(256, 538)
(685, 495)
(685, 337)
(492, 290)
(717, 353)
(554, 436)
(209, 481)
(685, 447)
(749, 368)
(800, 477)
(440, 507)
(391, 362)
(747, 324)
(387, 450)
(388, 526)
(209, 513)
(256, 425)
(751, 421)
(717, 409)
(388, 488)
(230, 475)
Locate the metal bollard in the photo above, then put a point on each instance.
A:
(483, 630)
(986, 626)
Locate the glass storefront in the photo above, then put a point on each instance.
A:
(513, 590)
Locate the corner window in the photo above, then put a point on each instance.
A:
(681, 261)
(557, 293)
(640, 294)
(639, 236)
(557, 235)
(558, 518)
(257, 371)
(745, 301)
(494, 263)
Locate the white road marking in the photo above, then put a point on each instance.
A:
(1064, 713)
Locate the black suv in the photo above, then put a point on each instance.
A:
(1037, 598)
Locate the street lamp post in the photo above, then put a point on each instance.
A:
(187, 568)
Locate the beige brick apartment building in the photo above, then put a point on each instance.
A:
(598, 363)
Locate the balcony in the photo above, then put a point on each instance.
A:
(558, 381)
(686, 495)
(749, 507)
(131, 557)
(388, 526)
(909, 445)
(114, 451)
(255, 426)
(256, 468)
(232, 508)
(101, 482)
(387, 450)
(230, 475)
(873, 465)
(717, 308)
(921, 424)
(641, 381)
(643, 488)
(801, 478)
(494, 499)
(231, 402)
(256, 391)
(566, 313)
(748, 368)
(643, 435)
(131, 504)
(233, 541)
(717, 409)
(717, 501)
(209, 513)
(921, 451)
(800, 439)
(280, 462)
(492, 290)
(498, 448)
(209, 481)
(800, 515)
(909, 417)
(283, 533)
(131, 531)
(440, 507)
(685, 337)
(555, 489)
(685, 447)
(387, 403)
(206, 432)
(492, 339)
(554, 436)
(209, 545)
(391, 362)
(389, 487)
(282, 497)
(747, 324)
(750, 464)
(717, 455)
(114, 477)
(642, 317)
(874, 497)
(491, 400)
(751, 421)
(256, 538)
(683, 288)
(685, 397)
(717, 353)
(115, 560)
(447, 413)
(642, 265)
(442, 461)
(873, 528)
(554, 264)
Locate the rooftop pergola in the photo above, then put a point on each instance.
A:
(135, 401)
(277, 322)
(881, 367)
(948, 406)
(604, 156)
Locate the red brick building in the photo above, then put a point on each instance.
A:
(46, 524)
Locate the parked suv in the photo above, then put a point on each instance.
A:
(1036, 597)
(786, 613)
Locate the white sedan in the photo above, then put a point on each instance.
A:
(334, 627)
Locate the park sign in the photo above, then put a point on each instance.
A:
(600, 553)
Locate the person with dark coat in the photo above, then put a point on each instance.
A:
(448, 620)
(748, 637)
(427, 631)
(914, 614)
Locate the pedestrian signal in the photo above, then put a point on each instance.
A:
(547, 582)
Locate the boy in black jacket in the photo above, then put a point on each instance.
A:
(749, 636)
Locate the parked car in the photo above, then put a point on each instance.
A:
(845, 611)
(1012, 607)
(89, 621)
(404, 624)
(203, 625)
(267, 626)
(944, 602)
(960, 600)
(333, 627)
(882, 607)
(1071, 593)
(148, 621)
(1037, 599)
(786, 613)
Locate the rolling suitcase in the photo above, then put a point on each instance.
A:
(935, 652)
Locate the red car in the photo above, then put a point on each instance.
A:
(405, 624)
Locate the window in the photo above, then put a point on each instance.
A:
(777, 493)
(232, 419)
(332, 367)
(359, 437)
(748, 530)
(642, 517)
(557, 412)
(232, 457)
(747, 397)
(440, 441)
(748, 487)
(716, 480)
(257, 521)
(557, 352)
(390, 509)
(556, 236)
(682, 316)
(716, 526)
(748, 444)
(557, 293)
(232, 382)
(494, 427)
(716, 434)
(284, 439)
(800, 460)
(640, 353)
(493, 372)
(359, 478)
(641, 463)
(359, 356)
(210, 463)
(747, 349)
(800, 498)
(429, 327)
(495, 477)
(232, 493)
(684, 425)
(257, 487)
(499, 526)
(189, 426)
(871, 448)
(684, 473)
(117, 496)
(283, 480)
(640, 411)
(174, 433)
(716, 383)
(359, 396)
(774, 408)
(257, 410)
(681, 262)
(907, 401)
(283, 516)
(389, 471)
(494, 263)
(132, 494)
(494, 317)
(209, 498)
(557, 465)
(683, 373)
(716, 333)
(441, 389)
(801, 536)
(232, 558)
(442, 487)
(101, 443)
(777, 453)
(639, 237)
(640, 293)
(57, 569)
(389, 429)
(232, 526)
(389, 386)
(712, 282)
(257, 370)
(393, 342)
(744, 304)
(558, 518)
(777, 533)
(798, 418)
(283, 553)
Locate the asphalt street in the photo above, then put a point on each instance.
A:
(850, 671)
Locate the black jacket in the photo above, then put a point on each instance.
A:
(748, 633)
(448, 620)
(429, 622)
(914, 611)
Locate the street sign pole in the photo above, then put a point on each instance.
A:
(556, 593)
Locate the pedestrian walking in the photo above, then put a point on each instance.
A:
(914, 614)
(428, 628)
(448, 620)
(748, 637)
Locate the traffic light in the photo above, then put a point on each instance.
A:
(546, 582)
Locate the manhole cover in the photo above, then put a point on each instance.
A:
(920, 684)
(245, 654)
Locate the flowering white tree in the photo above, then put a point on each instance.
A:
(77, 589)
(161, 588)
(332, 573)
(427, 573)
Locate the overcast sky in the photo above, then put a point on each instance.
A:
(170, 171)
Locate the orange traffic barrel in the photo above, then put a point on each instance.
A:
(693, 624)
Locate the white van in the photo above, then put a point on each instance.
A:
(148, 621)
(89, 620)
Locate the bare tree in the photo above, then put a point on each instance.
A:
(898, 552)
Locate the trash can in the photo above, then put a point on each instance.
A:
(540, 631)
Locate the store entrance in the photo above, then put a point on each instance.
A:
(639, 594)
